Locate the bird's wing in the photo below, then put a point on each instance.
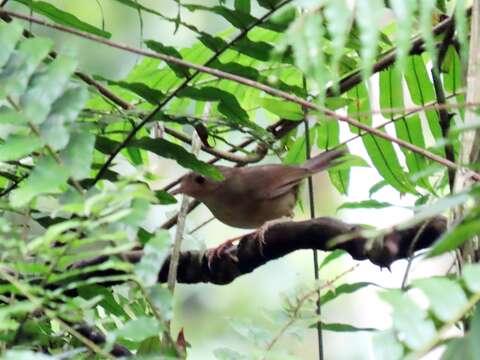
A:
(269, 181)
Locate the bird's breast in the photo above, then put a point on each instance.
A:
(248, 213)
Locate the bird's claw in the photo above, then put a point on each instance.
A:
(221, 250)
(260, 233)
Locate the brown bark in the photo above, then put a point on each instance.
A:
(284, 238)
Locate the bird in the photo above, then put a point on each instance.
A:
(253, 197)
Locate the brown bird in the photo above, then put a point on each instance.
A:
(250, 197)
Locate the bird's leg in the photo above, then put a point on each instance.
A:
(260, 233)
(221, 250)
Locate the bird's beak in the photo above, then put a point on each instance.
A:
(176, 191)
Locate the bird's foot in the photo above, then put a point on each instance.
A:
(222, 250)
(260, 233)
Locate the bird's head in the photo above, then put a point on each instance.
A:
(196, 186)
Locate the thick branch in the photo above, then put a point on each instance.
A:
(284, 238)
(98, 338)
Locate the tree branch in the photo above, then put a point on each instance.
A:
(282, 239)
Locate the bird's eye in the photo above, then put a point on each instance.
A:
(199, 179)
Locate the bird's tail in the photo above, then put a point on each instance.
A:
(324, 160)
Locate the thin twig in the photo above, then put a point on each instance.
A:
(300, 302)
(182, 214)
(410, 251)
(198, 227)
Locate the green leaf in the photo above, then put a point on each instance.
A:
(45, 178)
(139, 329)
(69, 104)
(338, 19)
(381, 152)
(283, 109)
(175, 152)
(331, 257)
(164, 198)
(62, 17)
(138, 212)
(165, 149)
(452, 71)
(344, 289)
(228, 104)
(146, 92)
(409, 320)
(408, 129)
(78, 155)
(385, 160)
(156, 46)
(369, 13)
(269, 4)
(154, 255)
(328, 136)
(455, 237)
(238, 19)
(338, 327)
(471, 276)
(64, 111)
(468, 347)
(297, 153)
(259, 50)
(377, 187)
(105, 145)
(242, 6)
(17, 147)
(461, 27)
(404, 13)
(306, 37)
(108, 301)
(422, 91)
(162, 299)
(446, 297)
(11, 116)
(427, 8)
(366, 204)
(46, 87)
(10, 34)
(22, 64)
(150, 346)
(386, 346)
